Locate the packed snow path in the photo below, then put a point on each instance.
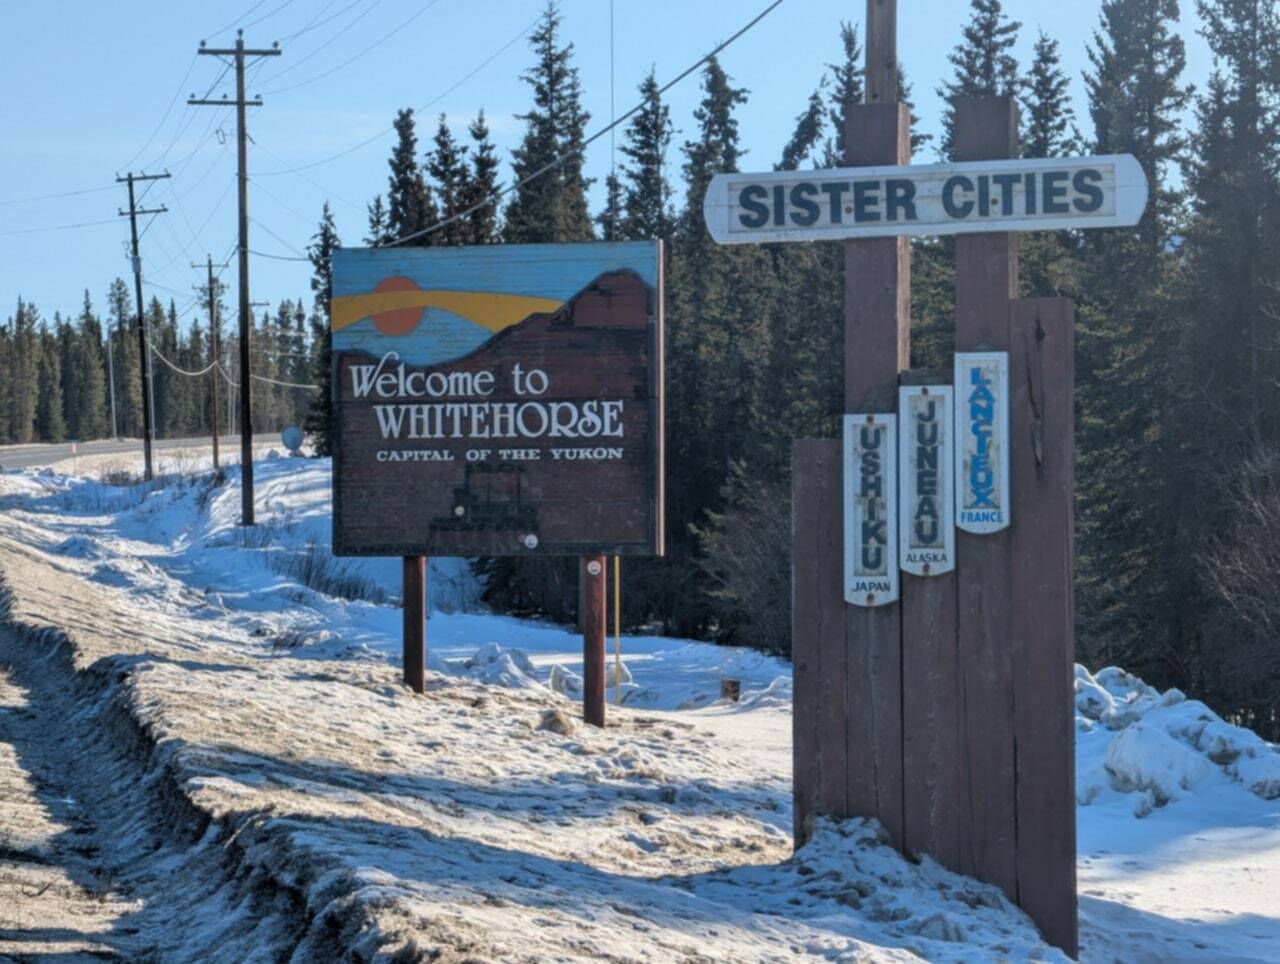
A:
(56, 898)
(306, 806)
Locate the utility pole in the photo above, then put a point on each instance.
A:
(213, 285)
(111, 383)
(240, 53)
(144, 339)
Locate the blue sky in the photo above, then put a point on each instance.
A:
(89, 83)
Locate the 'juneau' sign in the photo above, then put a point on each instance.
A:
(926, 515)
(870, 510)
(982, 439)
(1042, 194)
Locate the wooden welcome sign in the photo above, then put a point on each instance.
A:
(500, 400)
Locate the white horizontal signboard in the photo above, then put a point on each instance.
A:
(870, 510)
(982, 439)
(866, 202)
(926, 516)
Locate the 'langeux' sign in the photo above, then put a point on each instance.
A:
(982, 437)
(498, 400)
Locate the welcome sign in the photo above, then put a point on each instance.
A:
(498, 400)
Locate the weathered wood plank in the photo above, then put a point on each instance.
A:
(1042, 619)
(817, 648)
(877, 326)
(986, 280)
(933, 771)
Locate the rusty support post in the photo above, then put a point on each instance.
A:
(594, 624)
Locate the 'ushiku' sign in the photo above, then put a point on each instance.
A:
(498, 400)
(866, 202)
(926, 517)
(870, 506)
(982, 437)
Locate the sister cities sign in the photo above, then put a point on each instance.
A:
(864, 202)
(498, 400)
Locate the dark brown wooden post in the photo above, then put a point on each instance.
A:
(986, 281)
(818, 652)
(1041, 391)
(877, 278)
(415, 622)
(594, 620)
(933, 764)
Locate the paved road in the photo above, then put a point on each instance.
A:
(38, 455)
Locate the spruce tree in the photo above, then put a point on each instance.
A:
(1131, 583)
(482, 186)
(24, 386)
(984, 64)
(88, 409)
(319, 421)
(805, 136)
(447, 167)
(646, 190)
(1049, 122)
(378, 232)
(1225, 406)
(552, 206)
(610, 217)
(50, 425)
(410, 205)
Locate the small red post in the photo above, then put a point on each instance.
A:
(593, 619)
(415, 622)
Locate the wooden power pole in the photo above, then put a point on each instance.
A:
(144, 340)
(240, 53)
(211, 289)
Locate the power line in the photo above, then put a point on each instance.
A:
(556, 162)
(311, 24)
(58, 227)
(276, 236)
(266, 16)
(377, 43)
(341, 32)
(163, 117)
(275, 257)
(52, 197)
(425, 107)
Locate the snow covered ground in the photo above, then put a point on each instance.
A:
(260, 678)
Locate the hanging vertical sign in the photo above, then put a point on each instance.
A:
(870, 509)
(926, 513)
(982, 439)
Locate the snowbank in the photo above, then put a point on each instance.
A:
(1162, 746)
(483, 820)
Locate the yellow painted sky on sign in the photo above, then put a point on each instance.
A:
(492, 310)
